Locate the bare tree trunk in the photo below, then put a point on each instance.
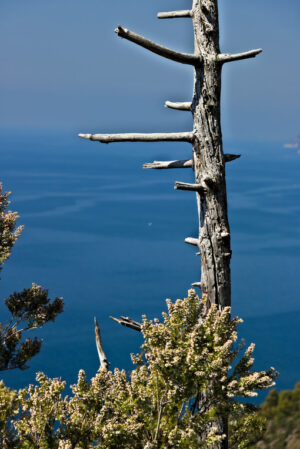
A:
(209, 162)
(209, 166)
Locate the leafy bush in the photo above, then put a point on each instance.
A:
(183, 384)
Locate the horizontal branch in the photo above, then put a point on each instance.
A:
(175, 14)
(231, 157)
(226, 57)
(159, 165)
(187, 106)
(192, 241)
(187, 186)
(184, 58)
(104, 364)
(137, 137)
(128, 322)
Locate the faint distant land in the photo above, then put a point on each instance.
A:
(294, 144)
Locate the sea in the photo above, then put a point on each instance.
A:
(108, 236)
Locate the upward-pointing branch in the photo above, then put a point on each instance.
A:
(104, 364)
(184, 58)
(175, 14)
(238, 56)
(137, 137)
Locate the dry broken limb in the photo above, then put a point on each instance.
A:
(104, 364)
(128, 322)
(175, 14)
(208, 159)
(187, 163)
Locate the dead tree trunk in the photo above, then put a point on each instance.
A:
(208, 160)
(214, 234)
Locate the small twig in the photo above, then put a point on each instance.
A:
(160, 413)
(195, 402)
(180, 412)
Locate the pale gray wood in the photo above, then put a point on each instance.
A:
(139, 137)
(238, 56)
(160, 165)
(104, 364)
(187, 186)
(184, 58)
(192, 241)
(209, 160)
(187, 106)
(175, 14)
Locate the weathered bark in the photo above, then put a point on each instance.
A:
(209, 166)
(209, 162)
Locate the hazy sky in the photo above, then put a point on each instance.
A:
(63, 67)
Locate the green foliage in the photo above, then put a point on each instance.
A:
(282, 411)
(8, 232)
(182, 387)
(28, 309)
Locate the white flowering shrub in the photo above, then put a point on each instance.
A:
(188, 376)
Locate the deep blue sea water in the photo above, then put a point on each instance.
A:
(108, 236)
